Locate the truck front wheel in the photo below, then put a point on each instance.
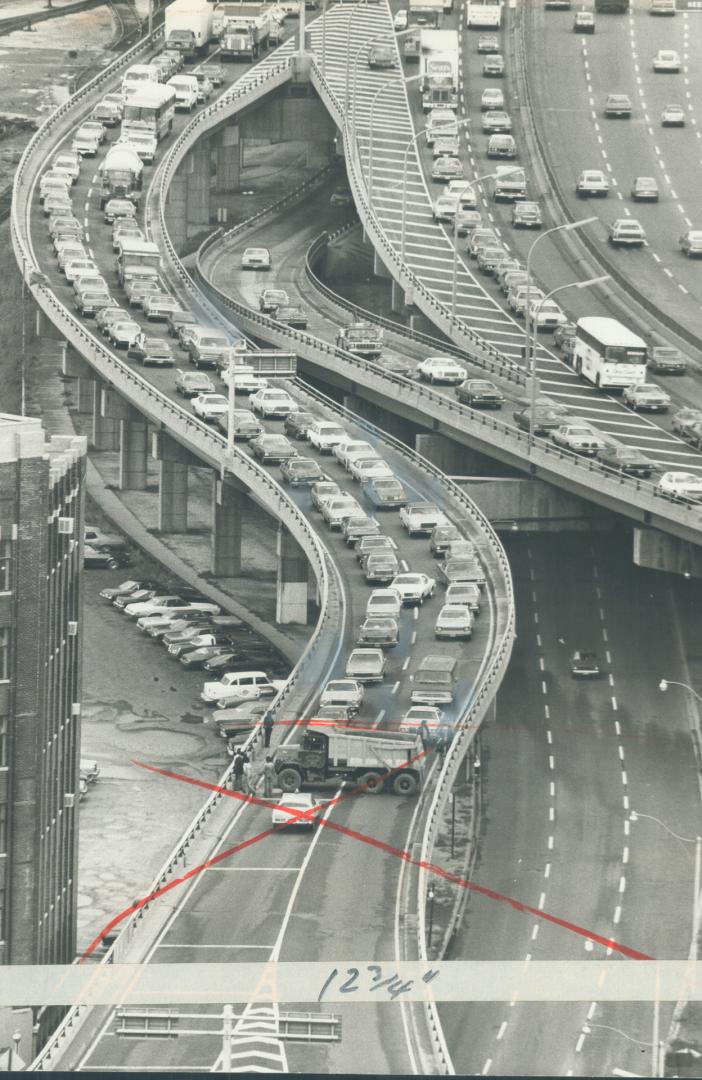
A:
(405, 783)
(372, 782)
(289, 779)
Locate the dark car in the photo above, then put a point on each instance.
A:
(275, 448)
(196, 658)
(299, 471)
(380, 631)
(480, 393)
(176, 319)
(667, 360)
(441, 537)
(296, 424)
(626, 460)
(291, 315)
(385, 492)
(151, 351)
(104, 558)
(544, 421)
(585, 663)
(395, 365)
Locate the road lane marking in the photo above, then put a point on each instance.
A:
(503, 1028)
(395, 688)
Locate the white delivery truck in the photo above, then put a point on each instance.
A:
(188, 27)
(438, 60)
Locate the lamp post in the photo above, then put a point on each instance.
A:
(567, 226)
(656, 1045)
(349, 23)
(530, 351)
(415, 138)
(324, 39)
(697, 841)
(665, 683)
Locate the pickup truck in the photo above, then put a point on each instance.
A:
(580, 438)
(366, 665)
(420, 518)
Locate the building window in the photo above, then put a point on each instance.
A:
(4, 654)
(2, 914)
(3, 829)
(5, 565)
(3, 742)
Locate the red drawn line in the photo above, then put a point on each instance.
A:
(438, 871)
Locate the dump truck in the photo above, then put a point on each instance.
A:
(246, 39)
(378, 761)
(188, 27)
(438, 68)
(362, 339)
(120, 174)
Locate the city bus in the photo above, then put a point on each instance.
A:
(608, 354)
(151, 109)
(482, 13)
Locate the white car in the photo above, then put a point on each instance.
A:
(325, 435)
(454, 621)
(238, 686)
(346, 451)
(384, 602)
(157, 605)
(210, 406)
(441, 369)
(413, 588)
(492, 98)
(463, 189)
(345, 692)
(67, 162)
(255, 258)
(245, 381)
(272, 402)
(646, 396)
(681, 485)
(546, 315)
(339, 507)
(428, 715)
(465, 594)
(300, 803)
(401, 19)
(445, 208)
(666, 60)
(369, 468)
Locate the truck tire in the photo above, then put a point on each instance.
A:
(289, 779)
(371, 782)
(405, 783)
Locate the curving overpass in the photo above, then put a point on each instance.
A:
(128, 409)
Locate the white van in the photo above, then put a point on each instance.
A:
(185, 87)
(136, 76)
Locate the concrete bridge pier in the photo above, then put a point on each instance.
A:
(133, 440)
(228, 146)
(188, 201)
(105, 430)
(174, 462)
(228, 507)
(451, 457)
(659, 551)
(292, 587)
(74, 366)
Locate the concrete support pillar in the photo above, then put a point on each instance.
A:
(228, 161)
(397, 301)
(105, 433)
(379, 267)
(227, 515)
(447, 455)
(659, 551)
(172, 496)
(133, 455)
(176, 209)
(293, 569)
(85, 395)
(198, 184)
(319, 153)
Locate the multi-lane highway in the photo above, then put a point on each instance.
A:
(565, 765)
(571, 75)
(274, 917)
(566, 762)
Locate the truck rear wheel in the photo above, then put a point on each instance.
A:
(405, 783)
(289, 779)
(372, 782)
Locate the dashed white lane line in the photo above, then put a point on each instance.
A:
(547, 870)
(617, 914)
(625, 854)
(591, 1011)
(486, 1067)
(622, 884)
(414, 637)
(547, 712)
(534, 931)
(395, 688)
(579, 1043)
(551, 843)
(405, 663)
(551, 762)
(625, 780)
(503, 1028)
(614, 704)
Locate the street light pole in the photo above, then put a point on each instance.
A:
(567, 226)
(529, 345)
(324, 39)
